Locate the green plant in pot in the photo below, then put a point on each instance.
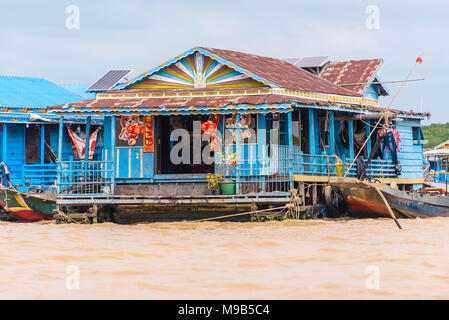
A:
(228, 186)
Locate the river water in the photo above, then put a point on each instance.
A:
(314, 259)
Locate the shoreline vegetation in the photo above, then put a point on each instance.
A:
(435, 133)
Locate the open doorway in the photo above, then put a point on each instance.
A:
(184, 151)
(32, 138)
(300, 129)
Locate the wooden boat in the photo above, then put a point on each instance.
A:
(361, 199)
(26, 206)
(23, 206)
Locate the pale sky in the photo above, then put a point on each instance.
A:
(142, 34)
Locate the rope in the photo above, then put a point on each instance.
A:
(240, 214)
(67, 218)
(382, 116)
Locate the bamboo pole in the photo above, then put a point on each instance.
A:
(379, 82)
(388, 206)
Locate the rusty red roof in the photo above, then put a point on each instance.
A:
(357, 72)
(178, 102)
(183, 90)
(140, 104)
(280, 72)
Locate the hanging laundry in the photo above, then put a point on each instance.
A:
(359, 140)
(360, 166)
(397, 138)
(79, 144)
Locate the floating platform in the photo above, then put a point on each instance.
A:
(133, 209)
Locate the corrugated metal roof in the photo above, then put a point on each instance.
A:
(14, 117)
(280, 72)
(207, 105)
(351, 72)
(270, 71)
(80, 90)
(32, 93)
(191, 105)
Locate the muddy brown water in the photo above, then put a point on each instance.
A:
(314, 259)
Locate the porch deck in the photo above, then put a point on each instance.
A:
(261, 176)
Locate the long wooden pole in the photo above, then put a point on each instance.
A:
(378, 82)
(388, 206)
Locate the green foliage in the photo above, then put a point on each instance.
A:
(436, 133)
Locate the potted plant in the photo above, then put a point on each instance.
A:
(228, 186)
(214, 181)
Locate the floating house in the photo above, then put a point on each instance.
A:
(438, 163)
(268, 125)
(29, 134)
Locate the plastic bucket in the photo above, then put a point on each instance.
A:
(227, 187)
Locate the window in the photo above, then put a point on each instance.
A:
(324, 128)
(249, 135)
(246, 135)
(418, 137)
(296, 135)
(276, 125)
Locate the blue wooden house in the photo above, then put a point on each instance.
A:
(275, 125)
(28, 133)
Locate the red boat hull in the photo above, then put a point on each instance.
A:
(27, 215)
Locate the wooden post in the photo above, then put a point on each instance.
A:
(331, 133)
(368, 143)
(437, 168)
(238, 154)
(86, 150)
(4, 142)
(60, 137)
(314, 194)
(262, 146)
(351, 138)
(42, 146)
(290, 148)
(113, 152)
(312, 147)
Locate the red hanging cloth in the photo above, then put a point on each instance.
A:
(79, 144)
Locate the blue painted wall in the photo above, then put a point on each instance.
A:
(15, 157)
(340, 150)
(411, 155)
(16, 148)
(371, 92)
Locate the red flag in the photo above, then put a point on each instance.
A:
(419, 59)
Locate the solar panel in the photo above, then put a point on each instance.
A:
(312, 62)
(292, 60)
(109, 80)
